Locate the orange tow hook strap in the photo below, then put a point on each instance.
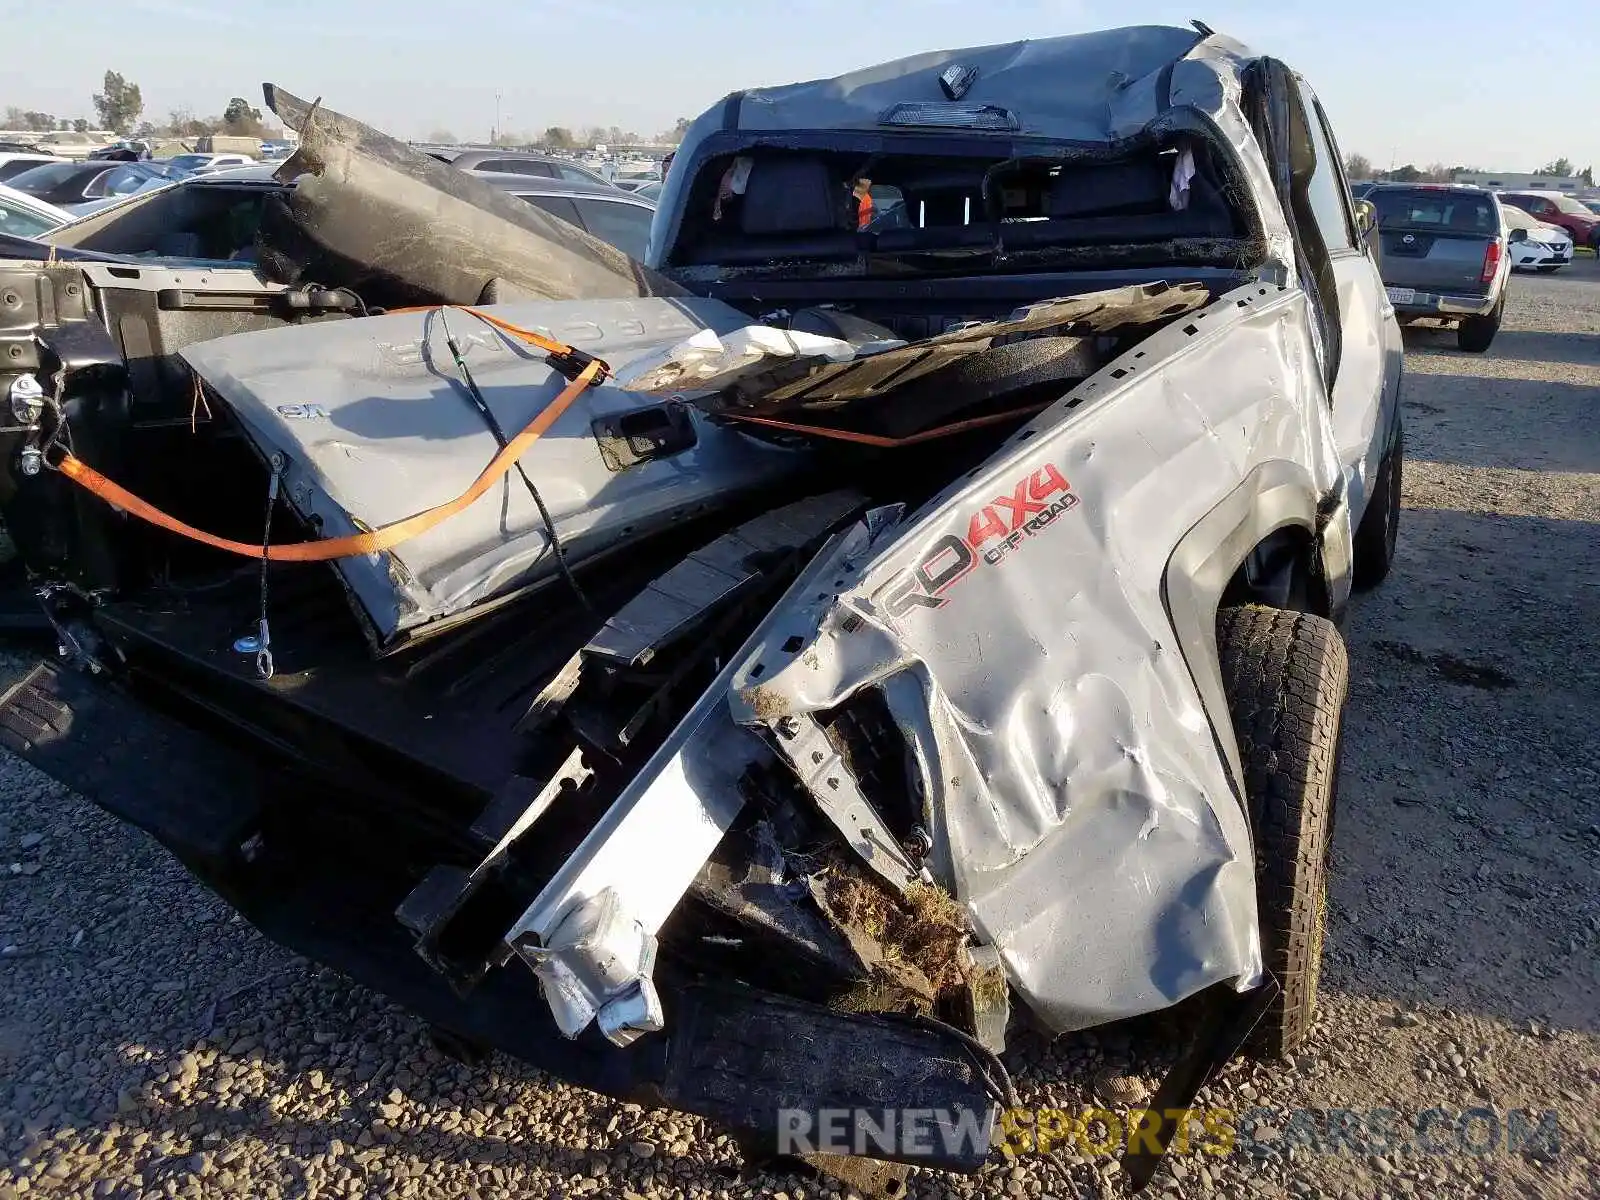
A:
(384, 538)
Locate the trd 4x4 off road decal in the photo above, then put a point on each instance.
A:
(994, 533)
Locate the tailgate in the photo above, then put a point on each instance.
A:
(1435, 261)
(1436, 239)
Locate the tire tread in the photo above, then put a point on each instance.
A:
(1285, 675)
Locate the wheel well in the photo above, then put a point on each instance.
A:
(1283, 570)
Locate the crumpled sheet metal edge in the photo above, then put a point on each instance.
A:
(1079, 805)
(646, 850)
(710, 362)
(398, 213)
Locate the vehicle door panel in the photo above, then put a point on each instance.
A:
(1363, 341)
(1275, 114)
(1366, 390)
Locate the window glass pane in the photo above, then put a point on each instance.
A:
(21, 223)
(517, 166)
(557, 206)
(1435, 208)
(124, 180)
(1328, 201)
(625, 226)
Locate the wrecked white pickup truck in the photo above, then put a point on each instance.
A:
(905, 606)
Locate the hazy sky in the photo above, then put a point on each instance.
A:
(1503, 86)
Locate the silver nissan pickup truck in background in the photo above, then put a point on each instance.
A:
(1443, 256)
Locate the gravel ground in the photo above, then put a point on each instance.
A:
(153, 1045)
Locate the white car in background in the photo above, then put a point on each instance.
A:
(22, 215)
(195, 163)
(1547, 248)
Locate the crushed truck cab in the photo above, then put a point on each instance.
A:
(754, 679)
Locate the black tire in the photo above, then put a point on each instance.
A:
(1379, 531)
(1285, 675)
(1476, 334)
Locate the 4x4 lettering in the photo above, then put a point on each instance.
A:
(1020, 505)
(983, 526)
(992, 536)
(1047, 480)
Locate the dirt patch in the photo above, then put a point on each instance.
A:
(914, 948)
(1451, 668)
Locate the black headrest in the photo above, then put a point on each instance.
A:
(792, 194)
(1104, 189)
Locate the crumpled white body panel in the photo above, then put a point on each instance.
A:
(1072, 781)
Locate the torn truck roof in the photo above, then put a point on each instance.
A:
(377, 214)
(1063, 88)
(374, 424)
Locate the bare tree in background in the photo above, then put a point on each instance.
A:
(36, 122)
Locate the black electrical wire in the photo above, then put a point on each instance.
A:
(991, 1070)
(361, 304)
(493, 423)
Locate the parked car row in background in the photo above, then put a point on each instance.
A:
(45, 192)
(1546, 247)
(1560, 210)
(1543, 213)
(214, 218)
(72, 184)
(1446, 251)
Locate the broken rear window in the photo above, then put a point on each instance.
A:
(769, 206)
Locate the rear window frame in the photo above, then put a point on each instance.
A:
(1447, 198)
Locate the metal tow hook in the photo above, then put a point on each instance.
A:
(264, 652)
(261, 643)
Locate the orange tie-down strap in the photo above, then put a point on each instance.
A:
(389, 536)
(880, 440)
(537, 340)
(384, 538)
